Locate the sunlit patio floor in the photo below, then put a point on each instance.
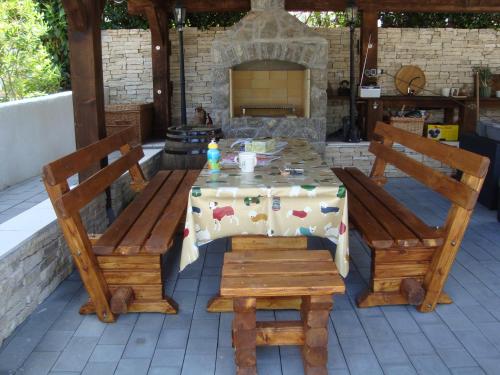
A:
(462, 338)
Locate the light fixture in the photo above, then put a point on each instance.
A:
(180, 15)
(351, 134)
(119, 1)
(352, 12)
(180, 20)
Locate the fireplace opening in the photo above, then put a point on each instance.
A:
(269, 88)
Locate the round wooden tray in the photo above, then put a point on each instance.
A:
(410, 78)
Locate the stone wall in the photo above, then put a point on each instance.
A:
(446, 55)
(34, 268)
(357, 155)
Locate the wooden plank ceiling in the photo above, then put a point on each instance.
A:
(430, 6)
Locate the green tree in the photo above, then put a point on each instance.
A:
(25, 66)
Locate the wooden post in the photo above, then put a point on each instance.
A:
(245, 336)
(84, 37)
(160, 51)
(369, 35)
(315, 312)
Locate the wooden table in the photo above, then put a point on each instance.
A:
(371, 109)
(266, 203)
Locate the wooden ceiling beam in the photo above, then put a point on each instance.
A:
(428, 6)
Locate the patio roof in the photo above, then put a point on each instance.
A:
(331, 5)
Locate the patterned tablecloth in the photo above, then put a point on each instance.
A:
(265, 202)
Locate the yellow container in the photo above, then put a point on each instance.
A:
(442, 132)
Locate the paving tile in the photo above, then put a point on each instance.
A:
(440, 336)
(490, 365)
(100, 368)
(164, 371)
(477, 344)
(149, 322)
(171, 338)
(399, 370)
(90, 327)
(468, 371)
(168, 358)
(38, 363)
(195, 364)
(201, 346)
(76, 354)
(116, 334)
(362, 364)
(204, 329)
(141, 344)
(377, 328)
(429, 364)
(54, 341)
(415, 343)
(456, 357)
(187, 285)
(389, 352)
(400, 319)
(107, 353)
(16, 352)
(136, 366)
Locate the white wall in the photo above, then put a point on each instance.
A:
(34, 132)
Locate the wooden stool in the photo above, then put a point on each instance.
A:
(311, 275)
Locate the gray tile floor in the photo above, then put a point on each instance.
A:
(462, 338)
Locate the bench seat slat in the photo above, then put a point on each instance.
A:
(286, 269)
(108, 242)
(164, 229)
(401, 235)
(277, 256)
(262, 286)
(428, 235)
(142, 227)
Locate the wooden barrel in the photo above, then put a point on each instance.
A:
(186, 147)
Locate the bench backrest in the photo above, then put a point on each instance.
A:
(68, 202)
(463, 193)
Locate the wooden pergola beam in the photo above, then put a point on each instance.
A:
(427, 6)
(84, 37)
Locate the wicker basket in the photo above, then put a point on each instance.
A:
(410, 124)
(121, 116)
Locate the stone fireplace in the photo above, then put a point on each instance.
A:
(270, 77)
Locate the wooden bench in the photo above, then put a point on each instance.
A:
(411, 260)
(122, 268)
(310, 275)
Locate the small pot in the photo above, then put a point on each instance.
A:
(485, 91)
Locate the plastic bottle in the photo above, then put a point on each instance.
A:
(213, 157)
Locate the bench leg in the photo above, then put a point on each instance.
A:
(315, 313)
(245, 336)
(371, 299)
(163, 306)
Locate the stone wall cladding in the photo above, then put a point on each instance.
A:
(33, 270)
(446, 55)
(357, 155)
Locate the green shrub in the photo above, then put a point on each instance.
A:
(26, 69)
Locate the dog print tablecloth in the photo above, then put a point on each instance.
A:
(266, 202)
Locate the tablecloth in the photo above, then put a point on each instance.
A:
(266, 202)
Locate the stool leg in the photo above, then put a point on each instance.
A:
(244, 336)
(315, 312)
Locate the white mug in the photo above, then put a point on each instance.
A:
(247, 161)
(445, 91)
(498, 94)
